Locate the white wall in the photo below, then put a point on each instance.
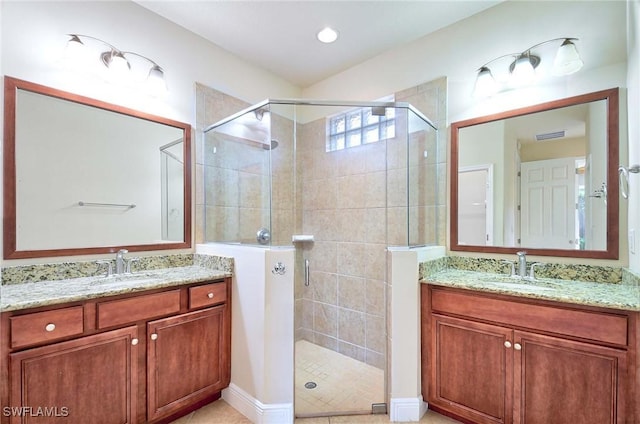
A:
(459, 49)
(262, 349)
(633, 99)
(34, 38)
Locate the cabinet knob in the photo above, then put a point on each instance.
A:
(517, 346)
(50, 327)
(507, 344)
(154, 336)
(210, 295)
(134, 342)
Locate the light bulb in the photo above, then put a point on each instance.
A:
(327, 35)
(156, 83)
(485, 83)
(567, 60)
(75, 47)
(118, 66)
(523, 71)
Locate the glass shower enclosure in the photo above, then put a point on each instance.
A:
(341, 182)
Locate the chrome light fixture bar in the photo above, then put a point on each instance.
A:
(118, 62)
(522, 69)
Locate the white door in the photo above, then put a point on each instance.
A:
(475, 206)
(548, 204)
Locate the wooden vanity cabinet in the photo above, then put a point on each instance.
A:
(148, 357)
(92, 379)
(500, 359)
(180, 366)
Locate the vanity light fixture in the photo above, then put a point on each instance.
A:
(327, 35)
(121, 64)
(522, 67)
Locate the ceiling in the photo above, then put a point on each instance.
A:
(280, 36)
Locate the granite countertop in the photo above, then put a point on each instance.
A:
(607, 295)
(43, 293)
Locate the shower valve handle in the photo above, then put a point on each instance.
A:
(279, 269)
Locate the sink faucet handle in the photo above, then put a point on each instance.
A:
(513, 266)
(122, 252)
(109, 266)
(129, 262)
(532, 273)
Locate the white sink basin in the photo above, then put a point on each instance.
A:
(522, 286)
(126, 278)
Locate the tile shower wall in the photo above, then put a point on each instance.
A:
(427, 203)
(355, 203)
(240, 187)
(343, 204)
(220, 220)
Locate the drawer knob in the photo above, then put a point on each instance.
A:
(134, 342)
(154, 336)
(50, 327)
(210, 295)
(507, 344)
(517, 346)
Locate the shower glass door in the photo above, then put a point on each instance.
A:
(341, 199)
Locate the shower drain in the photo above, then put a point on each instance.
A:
(310, 385)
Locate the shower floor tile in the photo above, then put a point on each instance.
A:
(343, 385)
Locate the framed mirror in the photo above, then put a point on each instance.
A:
(541, 179)
(83, 176)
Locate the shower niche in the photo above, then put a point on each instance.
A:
(340, 182)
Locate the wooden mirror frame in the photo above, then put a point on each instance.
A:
(11, 87)
(612, 248)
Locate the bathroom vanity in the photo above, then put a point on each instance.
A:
(133, 357)
(491, 356)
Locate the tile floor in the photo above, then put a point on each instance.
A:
(358, 386)
(220, 412)
(343, 384)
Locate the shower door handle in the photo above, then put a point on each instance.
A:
(306, 272)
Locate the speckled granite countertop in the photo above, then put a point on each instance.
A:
(615, 296)
(43, 293)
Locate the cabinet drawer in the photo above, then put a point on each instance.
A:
(597, 326)
(207, 295)
(118, 312)
(45, 326)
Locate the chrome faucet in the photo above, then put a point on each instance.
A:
(522, 264)
(120, 262)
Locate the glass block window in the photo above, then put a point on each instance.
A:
(360, 126)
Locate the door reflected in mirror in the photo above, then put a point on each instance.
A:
(540, 178)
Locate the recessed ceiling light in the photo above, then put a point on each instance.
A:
(327, 35)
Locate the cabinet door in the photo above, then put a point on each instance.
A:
(471, 369)
(566, 382)
(188, 359)
(88, 380)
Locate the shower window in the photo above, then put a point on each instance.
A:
(360, 126)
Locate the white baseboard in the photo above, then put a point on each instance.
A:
(256, 411)
(407, 409)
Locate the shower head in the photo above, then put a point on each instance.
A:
(259, 113)
(271, 146)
